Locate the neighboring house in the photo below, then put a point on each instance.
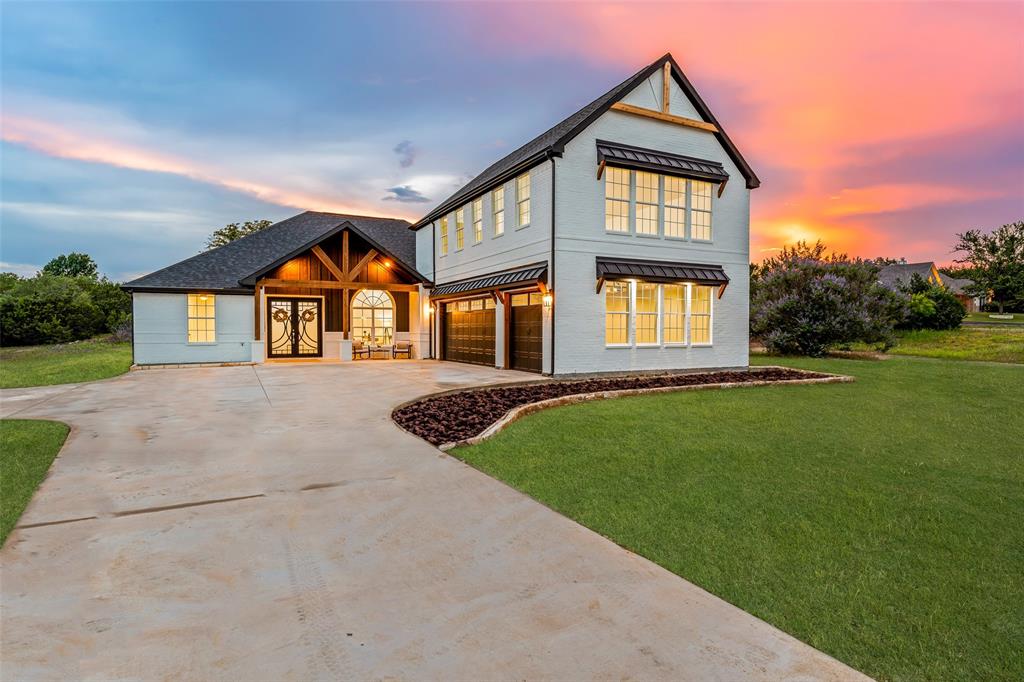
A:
(617, 240)
(897, 274)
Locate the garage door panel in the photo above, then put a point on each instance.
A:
(525, 336)
(469, 335)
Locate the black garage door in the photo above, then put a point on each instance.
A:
(469, 331)
(526, 351)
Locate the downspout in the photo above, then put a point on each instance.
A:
(551, 276)
(433, 281)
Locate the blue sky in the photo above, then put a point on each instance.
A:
(132, 130)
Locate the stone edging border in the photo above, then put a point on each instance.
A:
(523, 410)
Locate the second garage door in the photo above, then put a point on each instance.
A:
(469, 331)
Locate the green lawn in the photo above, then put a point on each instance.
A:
(1018, 318)
(27, 448)
(64, 363)
(880, 521)
(967, 343)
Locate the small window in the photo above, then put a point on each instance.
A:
(616, 313)
(523, 198)
(674, 313)
(476, 304)
(202, 318)
(498, 199)
(444, 236)
(700, 210)
(700, 314)
(646, 314)
(460, 229)
(488, 303)
(646, 203)
(463, 306)
(675, 207)
(478, 220)
(516, 300)
(616, 199)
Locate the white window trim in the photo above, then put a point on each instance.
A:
(478, 235)
(631, 316)
(629, 320)
(460, 234)
(659, 208)
(495, 211)
(188, 317)
(657, 315)
(631, 220)
(520, 200)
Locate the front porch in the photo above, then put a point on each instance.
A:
(344, 298)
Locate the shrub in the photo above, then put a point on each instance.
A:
(57, 309)
(804, 302)
(930, 306)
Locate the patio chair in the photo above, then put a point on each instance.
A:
(402, 348)
(360, 350)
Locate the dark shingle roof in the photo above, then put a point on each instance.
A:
(552, 141)
(227, 267)
(891, 275)
(956, 285)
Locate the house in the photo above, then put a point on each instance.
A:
(617, 240)
(897, 274)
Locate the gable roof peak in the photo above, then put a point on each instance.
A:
(552, 142)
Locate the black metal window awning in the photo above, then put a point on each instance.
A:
(531, 274)
(660, 271)
(628, 156)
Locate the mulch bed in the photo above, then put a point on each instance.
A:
(458, 416)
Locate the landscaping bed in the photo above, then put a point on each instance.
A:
(456, 417)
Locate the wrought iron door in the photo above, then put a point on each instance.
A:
(293, 327)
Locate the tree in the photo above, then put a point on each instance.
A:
(998, 262)
(930, 306)
(233, 231)
(72, 265)
(804, 301)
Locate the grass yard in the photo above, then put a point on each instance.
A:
(27, 447)
(967, 343)
(1018, 318)
(880, 521)
(63, 363)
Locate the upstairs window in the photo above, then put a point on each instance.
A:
(460, 229)
(647, 203)
(616, 199)
(202, 318)
(444, 236)
(478, 220)
(700, 210)
(675, 207)
(498, 199)
(523, 199)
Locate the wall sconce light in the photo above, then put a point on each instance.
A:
(547, 299)
(430, 310)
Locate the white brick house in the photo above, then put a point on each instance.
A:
(618, 240)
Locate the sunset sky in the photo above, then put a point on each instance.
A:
(131, 131)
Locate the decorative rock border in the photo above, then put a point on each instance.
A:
(404, 414)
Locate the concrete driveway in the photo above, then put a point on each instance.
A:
(272, 523)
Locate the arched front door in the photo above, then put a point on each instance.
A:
(373, 317)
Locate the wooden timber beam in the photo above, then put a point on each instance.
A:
(256, 312)
(334, 269)
(331, 284)
(600, 169)
(666, 79)
(344, 252)
(363, 262)
(667, 118)
(721, 290)
(600, 283)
